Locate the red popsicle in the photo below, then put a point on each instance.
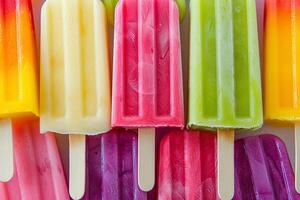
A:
(187, 166)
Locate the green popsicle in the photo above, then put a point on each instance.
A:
(225, 86)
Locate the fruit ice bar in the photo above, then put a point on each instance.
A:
(263, 169)
(18, 65)
(112, 167)
(225, 85)
(38, 170)
(147, 77)
(281, 69)
(75, 73)
(187, 166)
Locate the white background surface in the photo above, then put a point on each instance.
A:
(285, 133)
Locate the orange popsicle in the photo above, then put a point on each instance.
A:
(281, 68)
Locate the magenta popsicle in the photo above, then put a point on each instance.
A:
(263, 169)
(112, 167)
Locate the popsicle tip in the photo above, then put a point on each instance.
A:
(6, 175)
(225, 195)
(297, 186)
(77, 193)
(146, 185)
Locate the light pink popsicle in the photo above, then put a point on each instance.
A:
(38, 170)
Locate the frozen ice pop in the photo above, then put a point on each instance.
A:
(225, 85)
(75, 77)
(18, 74)
(281, 69)
(187, 166)
(147, 78)
(112, 167)
(38, 169)
(263, 169)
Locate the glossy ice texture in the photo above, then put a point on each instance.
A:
(147, 77)
(38, 170)
(75, 72)
(225, 84)
(18, 65)
(263, 169)
(281, 68)
(112, 167)
(187, 166)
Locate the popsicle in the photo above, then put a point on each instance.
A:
(147, 78)
(281, 70)
(224, 81)
(263, 169)
(38, 170)
(18, 74)
(75, 77)
(187, 166)
(112, 167)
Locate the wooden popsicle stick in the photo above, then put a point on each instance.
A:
(6, 151)
(225, 163)
(297, 157)
(146, 158)
(77, 166)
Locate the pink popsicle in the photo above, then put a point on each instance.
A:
(147, 78)
(187, 166)
(38, 169)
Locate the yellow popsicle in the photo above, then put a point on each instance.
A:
(75, 75)
(281, 68)
(75, 83)
(18, 66)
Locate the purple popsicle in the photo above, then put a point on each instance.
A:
(112, 167)
(263, 169)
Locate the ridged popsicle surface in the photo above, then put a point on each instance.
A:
(38, 169)
(187, 166)
(112, 167)
(75, 72)
(263, 169)
(224, 81)
(147, 77)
